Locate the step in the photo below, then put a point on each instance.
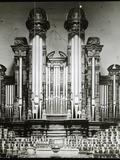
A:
(56, 135)
(56, 132)
(56, 126)
(56, 116)
(56, 129)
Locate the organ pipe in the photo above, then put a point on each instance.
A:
(93, 88)
(20, 78)
(114, 95)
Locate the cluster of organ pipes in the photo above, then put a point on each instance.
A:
(76, 73)
(104, 100)
(56, 89)
(9, 99)
(37, 75)
(69, 83)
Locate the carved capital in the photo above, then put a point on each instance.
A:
(93, 47)
(76, 22)
(20, 47)
(114, 69)
(37, 23)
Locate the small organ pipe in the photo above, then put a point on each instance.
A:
(93, 88)
(33, 67)
(66, 80)
(20, 78)
(93, 78)
(49, 85)
(72, 75)
(37, 64)
(114, 95)
(80, 72)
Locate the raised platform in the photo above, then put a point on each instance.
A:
(55, 127)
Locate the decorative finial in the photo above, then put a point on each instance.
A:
(37, 22)
(80, 6)
(76, 22)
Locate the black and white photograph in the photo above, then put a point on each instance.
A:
(60, 79)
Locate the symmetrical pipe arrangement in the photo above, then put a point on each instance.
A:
(67, 84)
(56, 84)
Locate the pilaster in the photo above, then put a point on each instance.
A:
(20, 49)
(93, 49)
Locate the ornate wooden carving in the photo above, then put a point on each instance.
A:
(93, 49)
(21, 48)
(76, 22)
(2, 90)
(114, 69)
(37, 22)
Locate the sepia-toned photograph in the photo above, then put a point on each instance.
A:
(60, 79)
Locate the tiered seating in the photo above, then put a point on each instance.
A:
(104, 144)
(72, 141)
(108, 143)
(19, 146)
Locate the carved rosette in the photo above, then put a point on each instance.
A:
(37, 23)
(76, 22)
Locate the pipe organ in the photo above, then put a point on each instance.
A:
(57, 84)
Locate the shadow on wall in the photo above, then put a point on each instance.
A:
(11, 70)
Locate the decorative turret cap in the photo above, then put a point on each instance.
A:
(37, 22)
(76, 20)
(114, 69)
